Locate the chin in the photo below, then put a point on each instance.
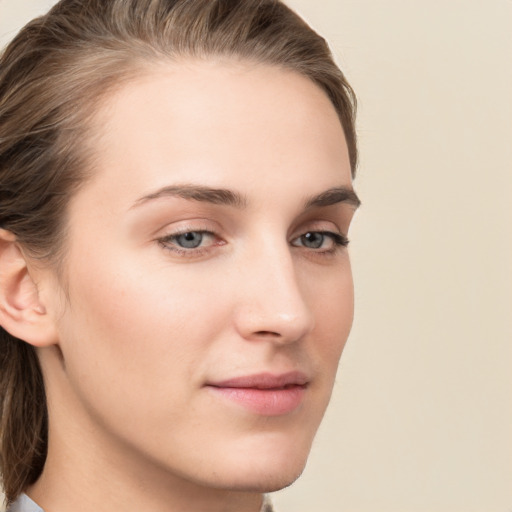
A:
(263, 467)
(269, 481)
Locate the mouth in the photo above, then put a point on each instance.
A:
(264, 394)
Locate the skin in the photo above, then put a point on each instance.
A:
(142, 326)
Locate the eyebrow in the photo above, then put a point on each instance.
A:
(197, 193)
(228, 197)
(333, 196)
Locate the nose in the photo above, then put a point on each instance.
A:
(271, 304)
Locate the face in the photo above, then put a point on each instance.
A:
(208, 284)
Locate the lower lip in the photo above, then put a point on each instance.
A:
(267, 402)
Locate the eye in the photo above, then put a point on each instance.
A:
(187, 241)
(313, 240)
(190, 240)
(323, 241)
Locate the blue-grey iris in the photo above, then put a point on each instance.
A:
(312, 240)
(190, 240)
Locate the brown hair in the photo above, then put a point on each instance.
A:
(52, 77)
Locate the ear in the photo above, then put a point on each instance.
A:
(22, 314)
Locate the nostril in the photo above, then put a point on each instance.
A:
(268, 334)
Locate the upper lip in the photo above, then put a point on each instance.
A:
(264, 381)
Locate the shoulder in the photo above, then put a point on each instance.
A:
(267, 505)
(24, 504)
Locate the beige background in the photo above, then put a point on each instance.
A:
(421, 418)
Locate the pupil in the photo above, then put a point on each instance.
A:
(313, 240)
(190, 240)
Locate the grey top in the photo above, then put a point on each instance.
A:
(25, 504)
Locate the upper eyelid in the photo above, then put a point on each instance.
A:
(317, 226)
(186, 226)
(320, 225)
(179, 232)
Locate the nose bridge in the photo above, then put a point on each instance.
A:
(272, 302)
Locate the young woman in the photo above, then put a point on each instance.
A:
(175, 288)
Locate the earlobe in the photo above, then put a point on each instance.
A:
(22, 314)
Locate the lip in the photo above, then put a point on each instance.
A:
(265, 393)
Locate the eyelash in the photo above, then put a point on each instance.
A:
(338, 239)
(168, 242)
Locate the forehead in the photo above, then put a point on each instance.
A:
(218, 121)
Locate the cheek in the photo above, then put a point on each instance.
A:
(135, 331)
(331, 298)
(333, 305)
